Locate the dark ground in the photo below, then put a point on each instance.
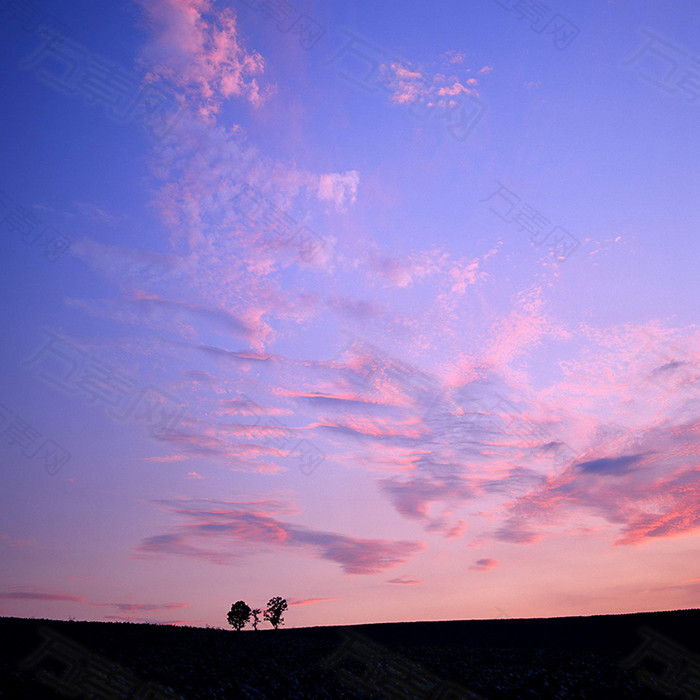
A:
(574, 657)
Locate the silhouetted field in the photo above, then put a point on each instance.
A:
(574, 657)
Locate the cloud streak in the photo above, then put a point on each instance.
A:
(484, 564)
(241, 524)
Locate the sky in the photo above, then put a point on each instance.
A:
(390, 309)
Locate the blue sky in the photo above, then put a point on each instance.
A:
(388, 308)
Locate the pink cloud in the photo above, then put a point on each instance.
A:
(197, 48)
(49, 597)
(413, 498)
(57, 597)
(446, 280)
(143, 607)
(165, 458)
(520, 331)
(227, 443)
(412, 86)
(408, 86)
(252, 523)
(366, 374)
(455, 531)
(484, 564)
(647, 494)
(405, 581)
(224, 262)
(248, 407)
(147, 607)
(11, 542)
(339, 188)
(405, 270)
(309, 601)
(378, 428)
(491, 417)
(324, 397)
(454, 56)
(229, 263)
(690, 585)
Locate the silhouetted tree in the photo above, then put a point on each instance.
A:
(255, 613)
(275, 608)
(238, 615)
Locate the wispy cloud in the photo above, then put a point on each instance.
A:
(165, 458)
(691, 585)
(309, 601)
(31, 593)
(145, 607)
(97, 214)
(484, 564)
(405, 581)
(222, 523)
(53, 597)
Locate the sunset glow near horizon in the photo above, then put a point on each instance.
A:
(389, 309)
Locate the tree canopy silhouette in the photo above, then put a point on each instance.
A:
(275, 609)
(255, 614)
(238, 615)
